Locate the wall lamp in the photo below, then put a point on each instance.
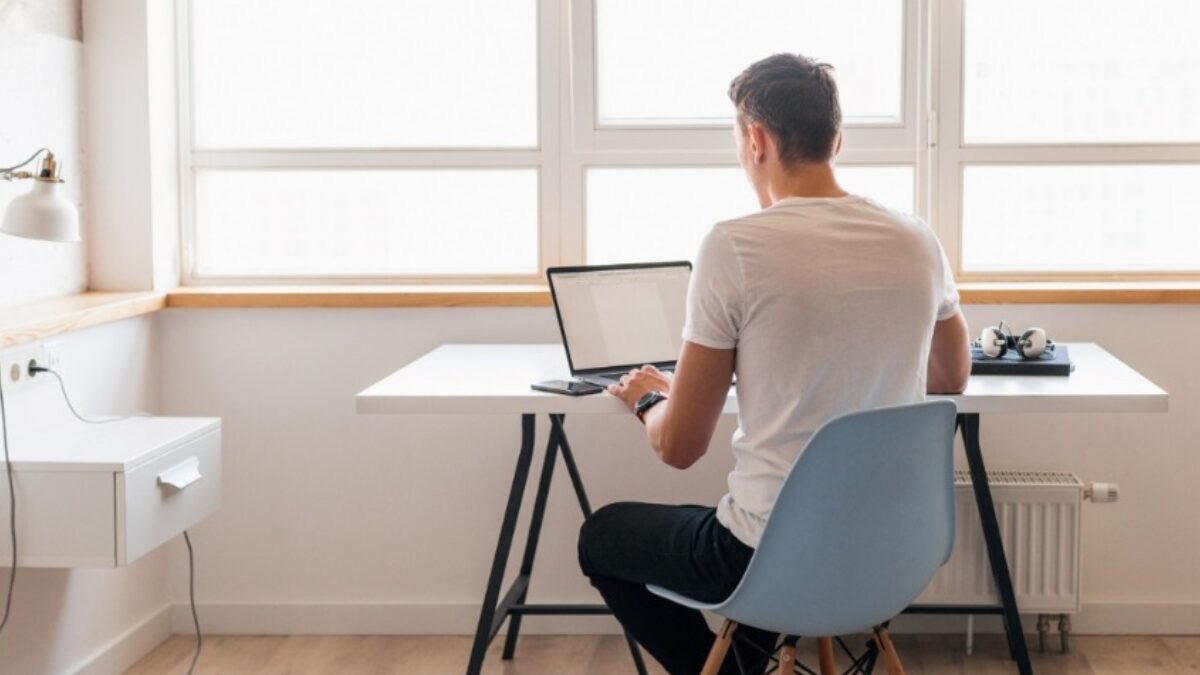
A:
(42, 213)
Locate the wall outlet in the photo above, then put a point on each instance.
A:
(51, 357)
(15, 363)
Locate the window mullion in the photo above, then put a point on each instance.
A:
(947, 69)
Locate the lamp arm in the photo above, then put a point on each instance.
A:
(7, 172)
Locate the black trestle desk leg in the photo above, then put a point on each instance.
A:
(572, 469)
(969, 424)
(531, 542)
(586, 507)
(503, 547)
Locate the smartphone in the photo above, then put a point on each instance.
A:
(568, 387)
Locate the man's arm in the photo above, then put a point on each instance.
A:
(681, 427)
(949, 356)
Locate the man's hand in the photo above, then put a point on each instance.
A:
(639, 382)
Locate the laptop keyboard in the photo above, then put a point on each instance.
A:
(605, 379)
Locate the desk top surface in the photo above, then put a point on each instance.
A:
(472, 379)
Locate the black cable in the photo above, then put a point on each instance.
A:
(35, 369)
(12, 511)
(192, 595)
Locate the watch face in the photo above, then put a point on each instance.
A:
(648, 401)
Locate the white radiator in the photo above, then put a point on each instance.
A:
(1039, 515)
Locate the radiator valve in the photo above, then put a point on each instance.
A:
(1102, 493)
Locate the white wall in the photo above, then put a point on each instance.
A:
(63, 620)
(333, 522)
(41, 94)
(102, 619)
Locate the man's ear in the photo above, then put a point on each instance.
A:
(837, 145)
(757, 137)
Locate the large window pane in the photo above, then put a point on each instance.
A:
(366, 222)
(646, 214)
(367, 73)
(671, 61)
(1081, 218)
(1081, 71)
(892, 186)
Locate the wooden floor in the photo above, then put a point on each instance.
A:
(596, 655)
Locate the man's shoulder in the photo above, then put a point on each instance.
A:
(744, 220)
(750, 223)
(858, 208)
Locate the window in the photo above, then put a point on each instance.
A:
(1081, 217)
(469, 140)
(646, 214)
(1076, 148)
(669, 61)
(332, 141)
(386, 222)
(328, 74)
(472, 140)
(1081, 71)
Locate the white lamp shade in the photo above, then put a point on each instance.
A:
(42, 213)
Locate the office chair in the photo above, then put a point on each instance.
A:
(864, 519)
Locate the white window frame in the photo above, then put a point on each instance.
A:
(953, 154)
(570, 142)
(594, 145)
(544, 157)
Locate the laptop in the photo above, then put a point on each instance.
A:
(614, 318)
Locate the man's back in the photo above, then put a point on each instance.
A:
(831, 305)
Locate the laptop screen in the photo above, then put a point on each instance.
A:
(621, 315)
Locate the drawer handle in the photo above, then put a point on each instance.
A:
(182, 474)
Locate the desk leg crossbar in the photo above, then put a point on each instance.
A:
(513, 606)
(968, 424)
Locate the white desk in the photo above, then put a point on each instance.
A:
(495, 379)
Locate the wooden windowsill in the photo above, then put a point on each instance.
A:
(516, 295)
(40, 320)
(1081, 293)
(973, 293)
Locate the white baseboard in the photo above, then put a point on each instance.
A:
(1101, 618)
(129, 647)
(459, 619)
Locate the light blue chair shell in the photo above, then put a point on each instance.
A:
(863, 521)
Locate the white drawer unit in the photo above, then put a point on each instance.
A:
(104, 495)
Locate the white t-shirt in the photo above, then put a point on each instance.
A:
(830, 303)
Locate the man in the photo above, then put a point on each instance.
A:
(823, 303)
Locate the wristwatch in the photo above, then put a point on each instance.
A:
(647, 402)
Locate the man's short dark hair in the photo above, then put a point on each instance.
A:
(796, 100)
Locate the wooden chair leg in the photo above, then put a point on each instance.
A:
(825, 654)
(891, 660)
(787, 659)
(716, 655)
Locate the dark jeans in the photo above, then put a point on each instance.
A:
(627, 545)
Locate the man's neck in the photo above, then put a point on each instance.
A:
(805, 180)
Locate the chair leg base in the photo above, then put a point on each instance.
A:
(785, 655)
(891, 660)
(825, 656)
(716, 655)
(787, 659)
